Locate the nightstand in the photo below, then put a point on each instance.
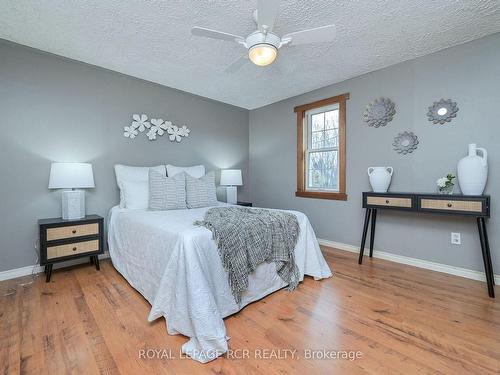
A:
(246, 204)
(62, 240)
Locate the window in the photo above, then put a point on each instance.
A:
(321, 149)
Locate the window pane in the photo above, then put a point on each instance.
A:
(318, 122)
(314, 178)
(318, 140)
(332, 119)
(331, 138)
(323, 170)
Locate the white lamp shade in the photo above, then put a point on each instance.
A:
(71, 176)
(231, 177)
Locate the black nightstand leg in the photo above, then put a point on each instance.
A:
(363, 238)
(48, 272)
(96, 261)
(488, 268)
(372, 232)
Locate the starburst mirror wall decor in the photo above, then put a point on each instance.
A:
(154, 128)
(442, 111)
(405, 143)
(380, 112)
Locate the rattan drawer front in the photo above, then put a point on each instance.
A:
(71, 231)
(72, 249)
(389, 201)
(452, 205)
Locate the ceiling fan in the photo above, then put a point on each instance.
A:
(263, 44)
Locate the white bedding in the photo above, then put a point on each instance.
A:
(176, 267)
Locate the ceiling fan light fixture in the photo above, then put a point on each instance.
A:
(262, 54)
(263, 44)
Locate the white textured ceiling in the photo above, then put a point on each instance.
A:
(151, 39)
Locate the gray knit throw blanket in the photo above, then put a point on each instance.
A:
(247, 237)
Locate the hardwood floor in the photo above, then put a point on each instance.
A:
(402, 319)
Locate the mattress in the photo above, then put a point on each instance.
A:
(176, 267)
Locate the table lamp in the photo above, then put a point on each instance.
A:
(72, 176)
(231, 178)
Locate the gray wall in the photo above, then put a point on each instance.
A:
(468, 74)
(53, 109)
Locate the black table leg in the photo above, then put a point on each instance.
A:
(488, 268)
(488, 252)
(363, 238)
(372, 233)
(48, 273)
(96, 262)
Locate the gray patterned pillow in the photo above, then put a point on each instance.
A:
(200, 192)
(166, 193)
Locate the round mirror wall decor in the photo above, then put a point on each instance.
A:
(442, 111)
(405, 143)
(379, 112)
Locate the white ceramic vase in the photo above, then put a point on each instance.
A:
(472, 171)
(380, 178)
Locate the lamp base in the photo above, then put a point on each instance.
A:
(231, 194)
(73, 204)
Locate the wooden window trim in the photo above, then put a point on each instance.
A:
(301, 131)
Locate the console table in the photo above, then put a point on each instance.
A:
(477, 207)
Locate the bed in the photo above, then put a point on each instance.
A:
(176, 267)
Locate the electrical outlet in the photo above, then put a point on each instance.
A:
(455, 238)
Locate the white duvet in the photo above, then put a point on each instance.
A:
(176, 267)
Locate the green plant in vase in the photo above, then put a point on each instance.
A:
(446, 184)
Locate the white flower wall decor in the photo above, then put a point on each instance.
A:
(154, 128)
(140, 122)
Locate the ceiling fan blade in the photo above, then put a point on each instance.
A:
(237, 64)
(316, 35)
(267, 11)
(282, 66)
(214, 34)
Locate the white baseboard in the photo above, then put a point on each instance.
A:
(25, 271)
(439, 267)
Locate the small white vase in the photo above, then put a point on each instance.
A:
(380, 178)
(472, 171)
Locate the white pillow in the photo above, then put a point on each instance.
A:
(133, 174)
(196, 171)
(136, 194)
(167, 193)
(201, 192)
